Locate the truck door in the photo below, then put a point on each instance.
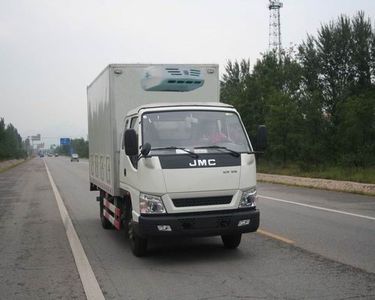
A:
(129, 165)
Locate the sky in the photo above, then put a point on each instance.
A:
(50, 50)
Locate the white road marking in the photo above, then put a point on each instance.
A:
(319, 208)
(88, 279)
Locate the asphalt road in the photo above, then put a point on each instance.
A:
(345, 238)
(312, 254)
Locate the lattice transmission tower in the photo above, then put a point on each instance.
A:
(274, 26)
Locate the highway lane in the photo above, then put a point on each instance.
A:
(345, 238)
(262, 267)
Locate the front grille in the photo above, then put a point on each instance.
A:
(184, 202)
(205, 223)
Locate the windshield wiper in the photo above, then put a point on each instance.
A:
(192, 154)
(232, 152)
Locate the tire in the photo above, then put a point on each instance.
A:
(138, 245)
(105, 222)
(127, 216)
(231, 241)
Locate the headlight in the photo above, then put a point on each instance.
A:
(150, 204)
(248, 198)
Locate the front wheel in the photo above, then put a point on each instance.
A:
(231, 241)
(138, 245)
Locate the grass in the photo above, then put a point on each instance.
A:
(3, 169)
(363, 175)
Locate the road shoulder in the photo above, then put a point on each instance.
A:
(36, 260)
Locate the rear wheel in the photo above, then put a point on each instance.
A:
(231, 241)
(138, 244)
(105, 222)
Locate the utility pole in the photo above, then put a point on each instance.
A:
(274, 26)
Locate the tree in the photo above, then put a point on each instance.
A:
(234, 80)
(267, 95)
(338, 70)
(315, 121)
(318, 105)
(11, 145)
(357, 130)
(79, 146)
(2, 139)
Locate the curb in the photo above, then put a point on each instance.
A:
(318, 183)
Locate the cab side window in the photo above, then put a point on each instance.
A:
(134, 125)
(122, 138)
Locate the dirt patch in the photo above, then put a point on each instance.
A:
(7, 164)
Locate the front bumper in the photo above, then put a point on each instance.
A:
(198, 224)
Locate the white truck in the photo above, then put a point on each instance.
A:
(167, 157)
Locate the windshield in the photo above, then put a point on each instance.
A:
(193, 129)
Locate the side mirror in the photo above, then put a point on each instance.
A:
(146, 148)
(131, 142)
(261, 138)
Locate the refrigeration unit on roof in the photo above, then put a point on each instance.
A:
(172, 79)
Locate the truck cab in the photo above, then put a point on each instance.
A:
(189, 169)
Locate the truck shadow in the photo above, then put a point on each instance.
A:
(186, 249)
(177, 250)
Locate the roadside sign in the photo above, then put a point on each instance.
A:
(64, 141)
(35, 137)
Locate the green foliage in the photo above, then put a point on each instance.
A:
(357, 131)
(11, 145)
(79, 146)
(319, 103)
(283, 122)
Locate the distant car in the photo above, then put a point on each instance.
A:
(49, 154)
(56, 154)
(74, 157)
(41, 155)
